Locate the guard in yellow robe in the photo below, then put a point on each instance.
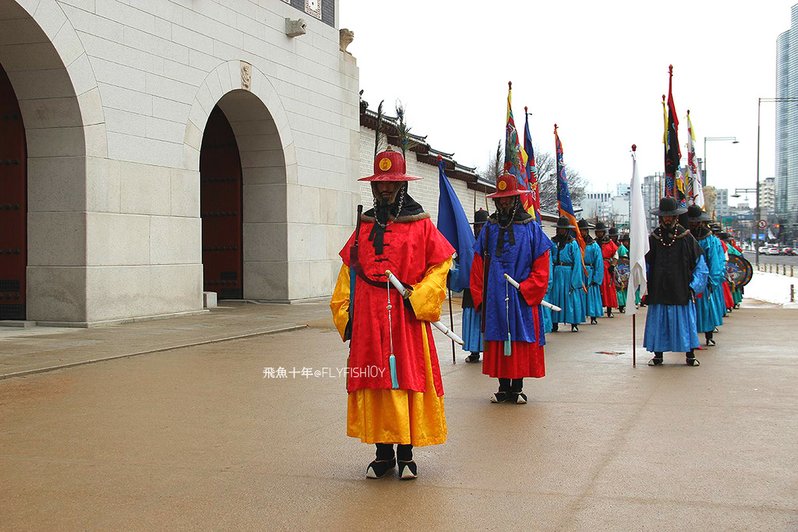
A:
(394, 380)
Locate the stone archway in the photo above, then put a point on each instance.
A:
(266, 152)
(64, 133)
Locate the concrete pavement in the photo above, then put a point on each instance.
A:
(196, 437)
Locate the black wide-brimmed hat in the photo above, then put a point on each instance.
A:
(583, 224)
(696, 214)
(613, 231)
(600, 227)
(480, 217)
(564, 223)
(668, 207)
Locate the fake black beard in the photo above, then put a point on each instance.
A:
(700, 231)
(383, 210)
(669, 231)
(505, 217)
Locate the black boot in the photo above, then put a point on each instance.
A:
(622, 309)
(555, 327)
(657, 360)
(593, 320)
(609, 312)
(473, 357)
(691, 359)
(574, 327)
(517, 395)
(407, 467)
(385, 461)
(710, 341)
(503, 395)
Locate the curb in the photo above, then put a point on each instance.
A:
(149, 351)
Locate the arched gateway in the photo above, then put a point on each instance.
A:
(110, 107)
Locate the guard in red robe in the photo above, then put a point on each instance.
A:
(395, 393)
(608, 251)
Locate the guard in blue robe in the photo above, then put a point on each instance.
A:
(567, 288)
(472, 322)
(707, 305)
(512, 243)
(594, 274)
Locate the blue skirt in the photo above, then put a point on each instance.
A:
(670, 328)
(594, 305)
(568, 299)
(472, 337)
(707, 316)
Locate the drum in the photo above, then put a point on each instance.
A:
(738, 270)
(622, 273)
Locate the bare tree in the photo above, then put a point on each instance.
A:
(495, 165)
(547, 182)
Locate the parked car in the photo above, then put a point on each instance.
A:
(788, 251)
(770, 250)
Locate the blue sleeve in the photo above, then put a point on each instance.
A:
(700, 275)
(598, 265)
(577, 272)
(453, 278)
(717, 264)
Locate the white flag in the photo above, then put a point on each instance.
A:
(638, 239)
(698, 192)
(695, 192)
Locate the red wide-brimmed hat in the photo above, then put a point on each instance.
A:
(389, 166)
(507, 185)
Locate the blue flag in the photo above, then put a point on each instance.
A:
(453, 224)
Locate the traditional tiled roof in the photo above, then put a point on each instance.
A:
(429, 155)
(424, 152)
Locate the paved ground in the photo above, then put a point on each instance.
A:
(196, 438)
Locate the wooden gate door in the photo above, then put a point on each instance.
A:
(220, 205)
(13, 204)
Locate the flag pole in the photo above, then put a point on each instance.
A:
(634, 342)
(451, 325)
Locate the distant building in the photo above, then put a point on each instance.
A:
(652, 185)
(787, 120)
(613, 210)
(722, 202)
(767, 196)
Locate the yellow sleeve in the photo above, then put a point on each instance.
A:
(428, 295)
(339, 303)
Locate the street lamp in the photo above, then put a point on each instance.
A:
(733, 140)
(758, 131)
(746, 191)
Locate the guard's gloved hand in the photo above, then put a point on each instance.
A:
(406, 300)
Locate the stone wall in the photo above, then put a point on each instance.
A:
(115, 96)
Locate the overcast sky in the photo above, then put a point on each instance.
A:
(596, 68)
